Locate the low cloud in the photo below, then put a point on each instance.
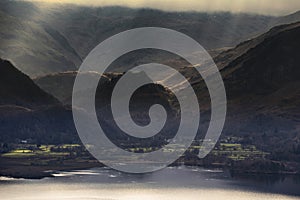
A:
(267, 7)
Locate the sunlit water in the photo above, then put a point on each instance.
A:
(167, 184)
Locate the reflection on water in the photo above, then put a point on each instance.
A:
(170, 183)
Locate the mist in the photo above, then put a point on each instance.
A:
(265, 7)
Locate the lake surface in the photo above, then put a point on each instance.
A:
(167, 184)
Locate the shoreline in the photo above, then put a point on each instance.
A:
(14, 168)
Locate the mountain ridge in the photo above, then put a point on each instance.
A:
(40, 42)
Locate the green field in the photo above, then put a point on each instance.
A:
(237, 152)
(42, 150)
(234, 151)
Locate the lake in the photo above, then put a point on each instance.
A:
(167, 184)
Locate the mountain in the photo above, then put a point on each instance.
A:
(261, 75)
(61, 84)
(262, 84)
(45, 38)
(292, 18)
(261, 78)
(18, 89)
(27, 112)
(31, 44)
(262, 68)
(212, 30)
(269, 64)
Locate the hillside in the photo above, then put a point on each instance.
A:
(18, 89)
(261, 74)
(61, 84)
(27, 112)
(261, 78)
(31, 43)
(42, 39)
(269, 64)
(262, 85)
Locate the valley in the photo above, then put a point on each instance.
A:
(258, 57)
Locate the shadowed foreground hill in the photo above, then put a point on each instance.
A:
(52, 122)
(27, 112)
(18, 89)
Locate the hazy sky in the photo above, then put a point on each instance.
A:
(274, 7)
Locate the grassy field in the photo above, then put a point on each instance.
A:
(228, 148)
(238, 152)
(37, 161)
(42, 150)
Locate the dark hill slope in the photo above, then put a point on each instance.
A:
(18, 89)
(27, 112)
(269, 65)
(263, 89)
